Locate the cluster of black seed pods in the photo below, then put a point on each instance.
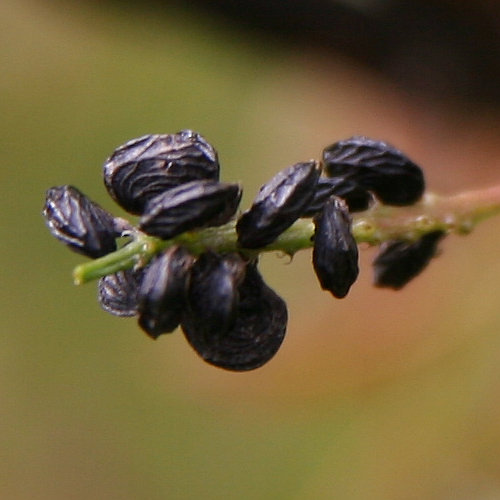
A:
(227, 312)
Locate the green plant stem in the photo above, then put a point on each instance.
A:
(458, 213)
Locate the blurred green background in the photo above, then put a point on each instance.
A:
(382, 395)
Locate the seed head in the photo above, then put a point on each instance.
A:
(78, 222)
(335, 252)
(375, 166)
(280, 202)
(192, 205)
(150, 165)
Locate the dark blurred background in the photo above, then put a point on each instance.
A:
(439, 49)
(383, 395)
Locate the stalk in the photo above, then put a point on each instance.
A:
(458, 214)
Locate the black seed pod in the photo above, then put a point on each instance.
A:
(118, 293)
(145, 167)
(335, 252)
(256, 335)
(78, 222)
(213, 292)
(376, 166)
(278, 205)
(189, 206)
(398, 262)
(162, 294)
(356, 197)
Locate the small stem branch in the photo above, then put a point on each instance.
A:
(458, 213)
(132, 254)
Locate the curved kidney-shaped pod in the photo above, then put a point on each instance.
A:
(279, 203)
(376, 166)
(162, 294)
(335, 252)
(256, 335)
(213, 292)
(398, 262)
(189, 206)
(356, 197)
(118, 293)
(78, 222)
(150, 165)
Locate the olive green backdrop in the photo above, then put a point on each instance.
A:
(382, 395)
